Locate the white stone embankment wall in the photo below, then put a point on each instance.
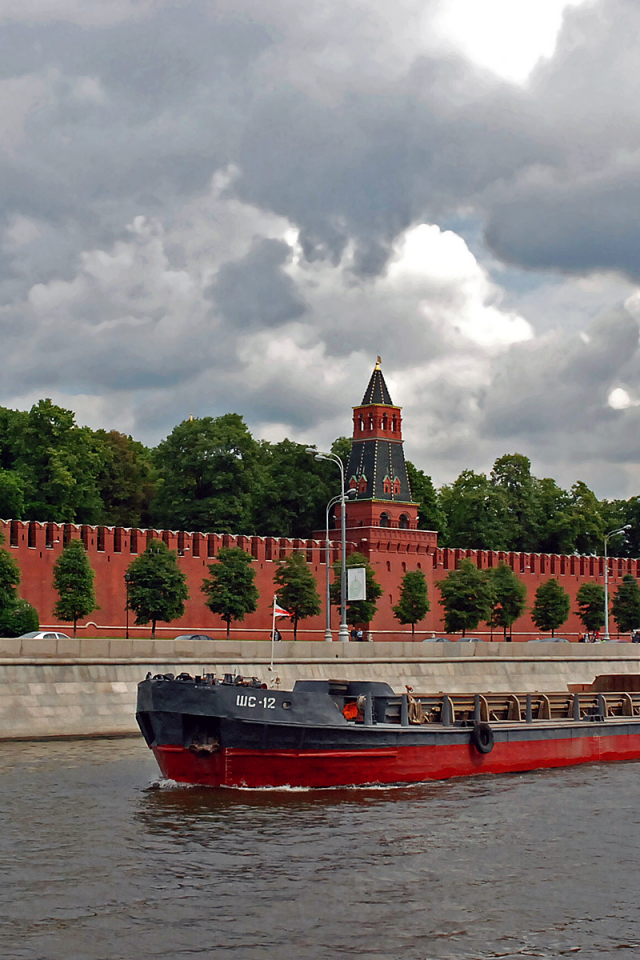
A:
(87, 688)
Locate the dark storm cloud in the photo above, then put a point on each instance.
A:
(556, 392)
(255, 292)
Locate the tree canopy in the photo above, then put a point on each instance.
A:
(413, 605)
(297, 591)
(509, 597)
(626, 604)
(210, 474)
(467, 597)
(590, 598)
(551, 607)
(158, 588)
(73, 580)
(16, 615)
(230, 589)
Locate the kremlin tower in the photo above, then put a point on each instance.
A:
(376, 469)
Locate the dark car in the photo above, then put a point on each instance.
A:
(194, 636)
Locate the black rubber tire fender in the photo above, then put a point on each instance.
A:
(482, 738)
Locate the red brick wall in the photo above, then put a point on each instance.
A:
(390, 550)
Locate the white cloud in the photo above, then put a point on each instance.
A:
(508, 37)
(619, 399)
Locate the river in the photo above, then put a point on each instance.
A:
(96, 864)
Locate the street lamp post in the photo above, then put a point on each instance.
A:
(350, 495)
(343, 633)
(127, 581)
(613, 533)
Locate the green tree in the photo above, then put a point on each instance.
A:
(11, 495)
(18, 618)
(341, 446)
(414, 599)
(476, 513)
(511, 474)
(590, 598)
(626, 604)
(9, 578)
(509, 597)
(158, 587)
(292, 491)
(208, 474)
(358, 611)
(16, 615)
(126, 481)
(230, 589)
(58, 463)
(551, 606)
(297, 591)
(73, 580)
(467, 597)
(430, 515)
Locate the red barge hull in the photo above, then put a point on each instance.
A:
(413, 764)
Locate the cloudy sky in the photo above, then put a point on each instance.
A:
(235, 205)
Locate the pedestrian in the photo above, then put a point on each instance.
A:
(353, 634)
(360, 635)
(277, 635)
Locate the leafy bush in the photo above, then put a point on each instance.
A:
(19, 618)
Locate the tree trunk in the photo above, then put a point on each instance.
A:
(413, 631)
(153, 629)
(228, 628)
(74, 627)
(295, 628)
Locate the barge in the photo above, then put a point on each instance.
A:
(234, 732)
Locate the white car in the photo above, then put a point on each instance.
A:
(44, 635)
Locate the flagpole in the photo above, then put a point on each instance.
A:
(273, 631)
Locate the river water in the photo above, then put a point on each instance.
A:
(94, 865)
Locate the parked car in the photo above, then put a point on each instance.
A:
(44, 635)
(549, 640)
(193, 636)
(438, 640)
(472, 639)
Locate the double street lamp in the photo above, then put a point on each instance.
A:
(350, 495)
(127, 581)
(613, 533)
(343, 633)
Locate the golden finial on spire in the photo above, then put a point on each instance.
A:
(191, 418)
(378, 362)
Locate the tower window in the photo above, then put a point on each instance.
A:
(404, 522)
(386, 485)
(362, 486)
(396, 485)
(353, 483)
(384, 519)
(361, 424)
